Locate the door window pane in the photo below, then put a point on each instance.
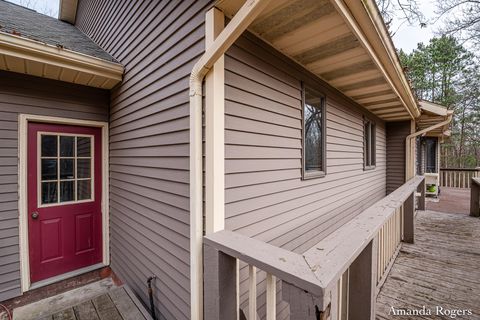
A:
(83, 168)
(49, 169)
(67, 169)
(49, 192)
(66, 191)
(49, 146)
(84, 189)
(66, 146)
(83, 146)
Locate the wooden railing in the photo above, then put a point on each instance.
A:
(458, 178)
(335, 279)
(390, 237)
(475, 197)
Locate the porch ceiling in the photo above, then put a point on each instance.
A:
(325, 37)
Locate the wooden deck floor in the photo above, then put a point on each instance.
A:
(101, 300)
(114, 305)
(441, 270)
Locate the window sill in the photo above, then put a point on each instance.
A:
(313, 175)
(368, 168)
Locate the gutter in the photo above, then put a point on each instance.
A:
(367, 24)
(408, 141)
(46, 54)
(239, 23)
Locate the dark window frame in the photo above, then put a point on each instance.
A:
(312, 174)
(369, 144)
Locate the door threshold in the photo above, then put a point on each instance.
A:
(64, 276)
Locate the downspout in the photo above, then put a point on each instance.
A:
(239, 23)
(408, 141)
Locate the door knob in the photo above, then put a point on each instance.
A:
(34, 215)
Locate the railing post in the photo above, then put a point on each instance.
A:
(220, 285)
(409, 219)
(421, 200)
(303, 305)
(475, 198)
(363, 283)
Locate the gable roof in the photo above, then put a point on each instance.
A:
(42, 46)
(27, 23)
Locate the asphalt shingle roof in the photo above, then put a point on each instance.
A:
(27, 23)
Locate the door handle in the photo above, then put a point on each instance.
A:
(35, 215)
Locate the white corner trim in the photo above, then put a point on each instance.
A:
(23, 120)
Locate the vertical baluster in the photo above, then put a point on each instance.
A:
(271, 297)
(252, 293)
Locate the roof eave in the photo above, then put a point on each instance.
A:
(365, 13)
(22, 55)
(67, 10)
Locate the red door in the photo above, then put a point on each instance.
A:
(64, 199)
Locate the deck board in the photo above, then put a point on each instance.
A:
(111, 303)
(439, 269)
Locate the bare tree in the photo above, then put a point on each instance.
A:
(406, 11)
(42, 7)
(461, 19)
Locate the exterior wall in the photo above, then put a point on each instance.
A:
(266, 197)
(158, 42)
(397, 132)
(31, 95)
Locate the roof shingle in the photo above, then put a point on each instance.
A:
(27, 23)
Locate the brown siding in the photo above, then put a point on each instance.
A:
(158, 42)
(265, 195)
(30, 95)
(396, 134)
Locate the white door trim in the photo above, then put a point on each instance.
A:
(23, 121)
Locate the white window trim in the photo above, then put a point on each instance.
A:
(23, 121)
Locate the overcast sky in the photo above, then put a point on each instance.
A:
(407, 36)
(49, 7)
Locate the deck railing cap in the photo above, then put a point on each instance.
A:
(318, 269)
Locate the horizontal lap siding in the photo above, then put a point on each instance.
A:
(266, 197)
(158, 42)
(30, 95)
(397, 132)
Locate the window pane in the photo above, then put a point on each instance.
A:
(66, 146)
(372, 144)
(49, 169)
(83, 168)
(431, 151)
(49, 192)
(66, 169)
(49, 146)
(313, 131)
(66, 191)
(84, 189)
(367, 143)
(83, 146)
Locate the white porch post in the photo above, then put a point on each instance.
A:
(214, 130)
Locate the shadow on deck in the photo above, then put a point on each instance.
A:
(440, 270)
